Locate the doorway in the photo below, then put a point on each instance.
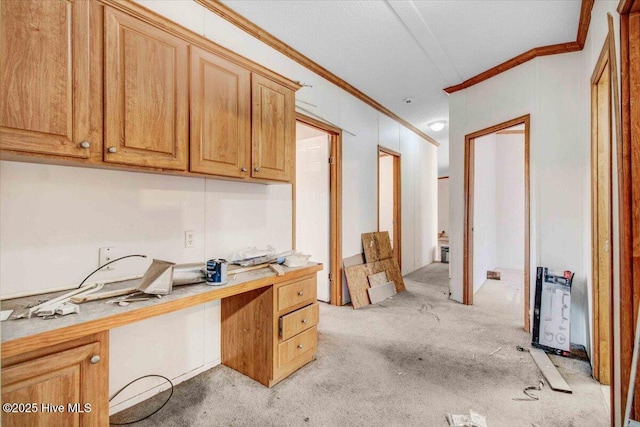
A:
(520, 125)
(389, 198)
(317, 205)
(601, 215)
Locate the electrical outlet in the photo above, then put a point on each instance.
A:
(189, 239)
(106, 255)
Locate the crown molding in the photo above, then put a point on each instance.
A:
(249, 27)
(583, 29)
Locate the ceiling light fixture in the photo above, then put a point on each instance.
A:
(437, 126)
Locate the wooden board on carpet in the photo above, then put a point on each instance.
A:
(378, 279)
(550, 372)
(358, 284)
(391, 267)
(377, 246)
(381, 292)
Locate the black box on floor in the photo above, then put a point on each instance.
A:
(552, 311)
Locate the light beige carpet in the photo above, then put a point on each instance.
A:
(404, 362)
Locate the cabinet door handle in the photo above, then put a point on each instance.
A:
(304, 320)
(112, 149)
(85, 144)
(243, 169)
(300, 293)
(95, 359)
(257, 169)
(300, 346)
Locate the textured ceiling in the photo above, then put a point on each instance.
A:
(392, 50)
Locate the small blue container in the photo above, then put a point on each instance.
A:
(216, 272)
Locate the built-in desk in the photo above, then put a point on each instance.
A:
(268, 330)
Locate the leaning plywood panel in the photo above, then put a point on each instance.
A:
(358, 284)
(391, 267)
(377, 246)
(358, 279)
(378, 279)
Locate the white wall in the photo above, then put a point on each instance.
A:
(555, 91)
(498, 210)
(54, 218)
(484, 209)
(549, 89)
(510, 201)
(385, 194)
(443, 205)
(313, 206)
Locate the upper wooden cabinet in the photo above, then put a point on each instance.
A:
(110, 83)
(44, 71)
(220, 115)
(273, 124)
(146, 94)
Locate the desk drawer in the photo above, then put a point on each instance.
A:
(297, 294)
(300, 320)
(298, 347)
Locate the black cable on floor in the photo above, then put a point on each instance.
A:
(145, 417)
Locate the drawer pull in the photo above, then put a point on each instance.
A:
(300, 293)
(300, 346)
(112, 149)
(85, 144)
(95, 359)
(304, 320)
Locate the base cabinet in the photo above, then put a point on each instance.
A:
(270, 333)
(58, 386)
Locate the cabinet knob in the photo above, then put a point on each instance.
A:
(257, 169)
(300, 293)
(95, 359)
(300, 346)
(85, 144)
(112, 149)
(243, 169)
(304, 320)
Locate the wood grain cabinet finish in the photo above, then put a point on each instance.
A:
(146, 94)
(294, 323)
(251, 321)
(44, 72)
(171, 101)
(273, 128)
(66, 387)
(220, 116)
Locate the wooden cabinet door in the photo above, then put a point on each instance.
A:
(220, 115)
(61, 389)
(273, 142)
(44, 76)
(146, 94)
